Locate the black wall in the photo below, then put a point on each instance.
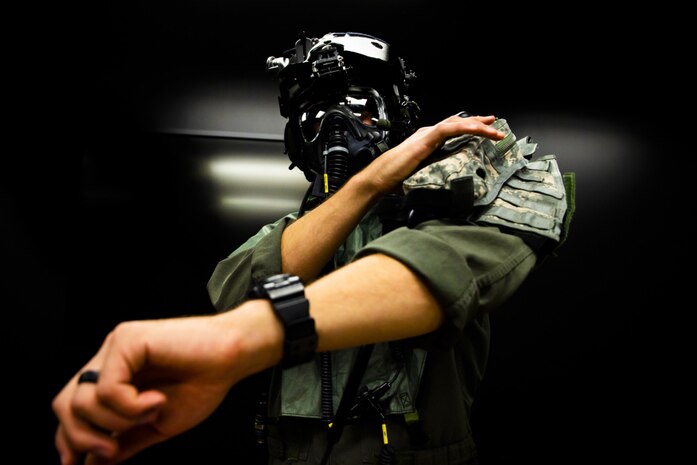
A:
(109, 217)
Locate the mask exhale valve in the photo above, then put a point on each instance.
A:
(336, 157)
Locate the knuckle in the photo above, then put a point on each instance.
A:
(57, 405)
(80, 406)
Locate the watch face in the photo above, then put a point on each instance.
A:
(279, 286)
(279, 280)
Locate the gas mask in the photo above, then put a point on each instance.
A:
(342, 136)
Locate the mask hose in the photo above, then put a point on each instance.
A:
(336, 161)
(336, 157)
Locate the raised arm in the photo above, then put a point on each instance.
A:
(309, 243)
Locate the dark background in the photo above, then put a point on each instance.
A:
(108, 212)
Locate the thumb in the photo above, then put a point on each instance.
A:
(150, 401)
(125, 399)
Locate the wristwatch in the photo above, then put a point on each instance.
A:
(287, 295)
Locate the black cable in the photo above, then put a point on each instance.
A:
(326, 401)
(386, 454)
(347, 399)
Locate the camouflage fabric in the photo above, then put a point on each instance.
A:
(512, 191)
(490, 163)
(533, 200)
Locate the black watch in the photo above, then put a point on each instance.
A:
(287, 295)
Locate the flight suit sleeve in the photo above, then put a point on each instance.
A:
(468, 268)
(258, 258)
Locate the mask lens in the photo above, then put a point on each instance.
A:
(363, 108)
(366, 107)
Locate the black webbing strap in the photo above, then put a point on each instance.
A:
(423, 204)
(347, 399)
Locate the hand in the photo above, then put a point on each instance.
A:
(387, 172)
(159, 378)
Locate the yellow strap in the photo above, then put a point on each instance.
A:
(384, 434)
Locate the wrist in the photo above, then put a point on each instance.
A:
(255, 336)
(364, 188)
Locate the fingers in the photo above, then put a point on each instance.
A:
(474, 125)
(109, 414)
(67, 455)
(74, 437)
(92, 414)
(76, 434)
(130, 443)
(94, 411)
(488, 119)
(88, 425)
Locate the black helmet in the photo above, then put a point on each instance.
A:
(344, 96)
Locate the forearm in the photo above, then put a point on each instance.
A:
(373, 299)
(310, 242)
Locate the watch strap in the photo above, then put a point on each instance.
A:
(286, 293)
